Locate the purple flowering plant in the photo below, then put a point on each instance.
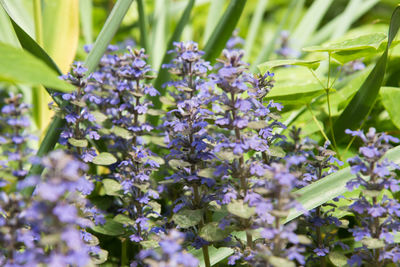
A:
(202, 163)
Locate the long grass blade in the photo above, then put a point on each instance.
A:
(365, 97)
(254, 27)
(310, 22)
(142, 24)
(7, 34)
(223, 30)
(86, 19)
(159, 36)
(214, 15)
(268, 49)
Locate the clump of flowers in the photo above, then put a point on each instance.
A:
(49, 227)
(376, 212)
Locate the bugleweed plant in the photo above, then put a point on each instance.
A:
(194, 157)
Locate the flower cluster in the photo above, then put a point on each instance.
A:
(375, 209)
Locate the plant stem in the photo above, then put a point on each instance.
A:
(37, 15)
(316, 122)
(124, 258)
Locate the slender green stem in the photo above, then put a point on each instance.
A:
(331, 124)
(316, 122)
(124, 257)
(37, 15)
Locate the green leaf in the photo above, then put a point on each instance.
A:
(216, 254)
(111, 187)
(207, 172)
(240, 209)
(295, 94)
(373, 40)
(188, 218)
(257, 125)
(214, 14)
(123, 219)
(373, 243)
(277, 261)
(101, 257)
(7, 34)
(178, 163)
(276, 151)
(223, 30)
(364, 99)
(337, 258)
(163, 74)
(104, 158)
(78, 142)
(332, 186)
(111, 228)
(19, 66)
(212, 232)
(390, 100)
(269, 65)
(121, 132)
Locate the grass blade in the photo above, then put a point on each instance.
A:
(142, 24)
(223, 30)
(7, 35)
(86, 18)
(109, 29)
(163, 74)
(254, 26)
(20, 13)
(214, 15)
(365, 97)
(310, 22)
(268, 49)
(159, 37)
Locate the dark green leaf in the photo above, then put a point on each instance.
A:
(364, 99)
(223, 30)
(111, 228)
(104, 158)
(188, 218)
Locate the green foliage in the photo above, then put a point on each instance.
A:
(104, 158)
(187, 218)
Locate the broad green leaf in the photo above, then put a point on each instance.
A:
(163, 74)
(276, 151)
(121, 132)
(207, 172)
(111, 187)
(372, 40)
(21, 12)
(373, 243)
(78, 142)
(61, 31)
(337, 258)
(7, 34)
(188, 218)
(104, 158)
(269, 65)
(216, 254)
(124, 219)
(329, 187)
(111, 228)
(107, 33)
(365, 98)
(211, 232)
(223, 30)
(178, 163)
(257, 125)
(390, 99)
(100, 257)
(240, 209)
(297, 94)
(18, 66)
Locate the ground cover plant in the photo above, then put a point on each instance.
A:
(199, 133)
